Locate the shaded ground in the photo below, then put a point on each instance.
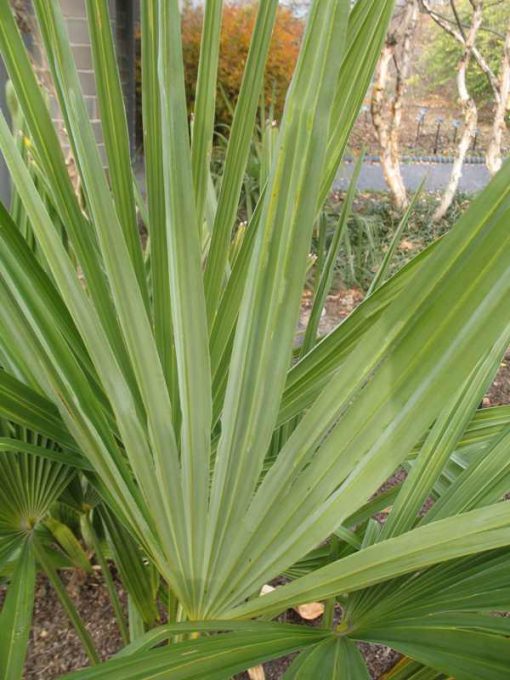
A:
(54, 646)
(500, 390)
(337, 308)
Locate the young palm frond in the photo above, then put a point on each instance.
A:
(167, 379)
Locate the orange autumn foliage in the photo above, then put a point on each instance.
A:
(237, 27)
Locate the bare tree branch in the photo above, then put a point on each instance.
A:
(500, 85)
(445, 24)
(457, 19)
(486, 29)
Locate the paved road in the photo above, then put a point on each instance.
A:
(474, 176)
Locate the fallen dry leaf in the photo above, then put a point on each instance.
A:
(265, 590)
(310, 611)
(256, 673)
(406, 245)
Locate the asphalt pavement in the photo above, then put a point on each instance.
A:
(475, 176)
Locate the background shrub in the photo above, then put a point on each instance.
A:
(237, 27)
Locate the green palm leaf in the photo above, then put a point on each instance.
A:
(216, 656)
(161, 380)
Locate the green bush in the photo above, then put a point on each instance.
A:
(238, 21)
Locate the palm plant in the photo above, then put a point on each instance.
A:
(165, 378)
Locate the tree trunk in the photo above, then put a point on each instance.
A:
(402, 67)
(470, 114)
(493, 158)
(389, 162)
(386, 111)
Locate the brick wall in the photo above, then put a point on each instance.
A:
(121, 13)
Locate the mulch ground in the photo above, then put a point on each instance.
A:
(499, 393)
(54, 646)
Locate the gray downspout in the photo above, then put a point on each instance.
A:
(5, 190)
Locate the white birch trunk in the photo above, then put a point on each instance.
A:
(387, 124)
(470, 114)
(493, 158)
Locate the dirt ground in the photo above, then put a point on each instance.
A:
(54, 646)
(436, 136)
(500, 390)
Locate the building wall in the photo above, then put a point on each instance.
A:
(121, 13)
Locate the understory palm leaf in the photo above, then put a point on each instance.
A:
(31, 484)
(334, 658)
(16, 616)
(450, 647)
